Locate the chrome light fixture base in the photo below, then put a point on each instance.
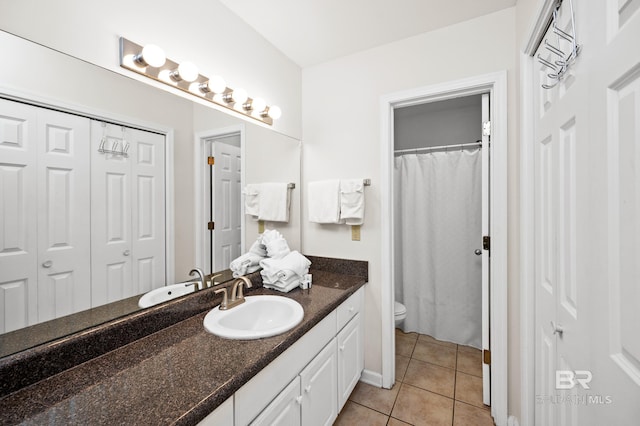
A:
(129, 59)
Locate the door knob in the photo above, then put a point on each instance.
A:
(478, 252)
(125, 253)
(557, 329)
(47, 264)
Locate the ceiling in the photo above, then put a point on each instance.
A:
(314, 31)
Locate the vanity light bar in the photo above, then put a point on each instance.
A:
(185, 76)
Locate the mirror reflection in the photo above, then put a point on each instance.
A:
(107, 191)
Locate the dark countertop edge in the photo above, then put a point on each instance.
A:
(213, 401)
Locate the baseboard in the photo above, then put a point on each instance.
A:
(371, 378)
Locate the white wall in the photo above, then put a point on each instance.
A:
(450, 122)
(206, 33)
(341, 131)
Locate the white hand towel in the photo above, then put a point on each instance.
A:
(352, 201)
(274, 202)
(324, 201)
(258, 248)
(252, 199)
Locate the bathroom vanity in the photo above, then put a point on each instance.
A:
(185, 375)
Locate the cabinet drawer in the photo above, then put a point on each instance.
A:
(350, 308)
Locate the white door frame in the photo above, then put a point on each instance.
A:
(119, 119)
(527, 219)
(496, 85)
(198, 160)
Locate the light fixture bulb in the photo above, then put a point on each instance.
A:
(274, 112)
(239, 96)
(152, 56)
(215, 84)
(258, 105)
(188, 71)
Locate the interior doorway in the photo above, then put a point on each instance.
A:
(219, 209)
(495, 86)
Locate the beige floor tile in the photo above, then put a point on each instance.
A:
(469, 349)
(420, 407)
(465, 415)
(378, 399)
(411, 334)
(405, 345)
(470, 362)
(401, 367)
(353, 414)
(431, 377)
(469, 389)
(429, 339)
(396, 422)
(435, 354)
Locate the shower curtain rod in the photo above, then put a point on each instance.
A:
(477, 143)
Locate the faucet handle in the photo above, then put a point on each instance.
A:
(223, 304)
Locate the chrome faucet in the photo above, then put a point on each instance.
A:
(236, 293)
(200, 283)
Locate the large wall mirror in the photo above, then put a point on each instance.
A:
(135, 220)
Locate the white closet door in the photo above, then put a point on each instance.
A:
(147, 210)
(18, 215)
(64, 274)
(127, 207)
(111, 217)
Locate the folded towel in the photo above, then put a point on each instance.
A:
(293, 261)
(275, 244)
(324, 201)
(245, 264)
(274, 202)
(248, 270)
(252, 199)
(284, 287)
(352, 201)
(258, 248)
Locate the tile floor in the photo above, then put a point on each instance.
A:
(437, 383)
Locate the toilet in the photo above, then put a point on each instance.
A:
(399, 313)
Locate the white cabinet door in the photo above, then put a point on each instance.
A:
(64, 217)
(18, 214)
(320, 388)
(127, 206)
(350, 359)
(285, 409)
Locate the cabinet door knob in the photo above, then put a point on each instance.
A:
(47, 264)
(299, 399)
(342, 348)
(307, 389)
(351, 309)
(126, 253)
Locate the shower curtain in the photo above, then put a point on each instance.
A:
(438, 227)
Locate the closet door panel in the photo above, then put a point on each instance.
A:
(111, 216)
(18, 214)
(64, 272)
(147, 210)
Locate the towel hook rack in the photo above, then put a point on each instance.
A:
(560, 67)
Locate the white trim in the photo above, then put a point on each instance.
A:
(496, 84)
(371, 378)
(101, 115)
(198, 161)
(527, 293)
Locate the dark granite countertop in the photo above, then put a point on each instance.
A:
(177, 375)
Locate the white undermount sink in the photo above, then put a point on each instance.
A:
(258, 317)
(164, 294)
